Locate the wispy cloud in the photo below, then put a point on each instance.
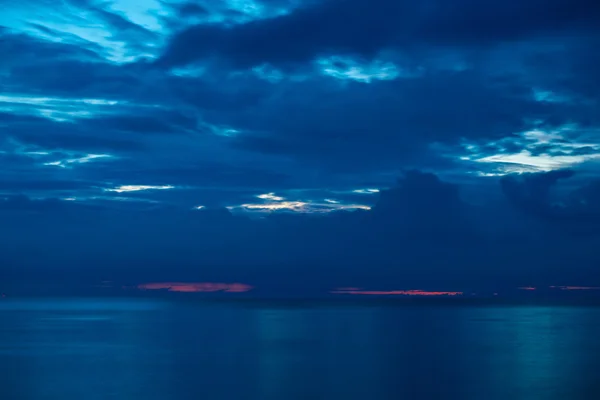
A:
(137, 188)
(540, 151)
(366, 191)
(69, 162)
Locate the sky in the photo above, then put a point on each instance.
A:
(306, 145)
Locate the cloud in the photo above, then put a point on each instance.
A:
(572, 209)
(153, 121)
(195, 287)
(536, 151)
(19, 49)
(376, 94)
(268, 202)
(292, 114)
(531, 191)
(368, 27)
(421, 233)
(136, 188)
(270, 196)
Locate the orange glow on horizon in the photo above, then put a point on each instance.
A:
(394, 292)
(196, 287)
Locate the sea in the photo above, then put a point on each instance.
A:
(163, 349)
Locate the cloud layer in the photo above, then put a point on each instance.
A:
(110, 110)
(420, 233)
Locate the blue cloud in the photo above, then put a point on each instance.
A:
(172, 109)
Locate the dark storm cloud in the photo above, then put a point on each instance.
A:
(396, 117)
(188, 9)
(481, 23)
(532, 191)
(366, 27)
(573, 210)
(504, 51)
(574, 73)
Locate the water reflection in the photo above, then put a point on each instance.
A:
(318, 353)
(71, 350)
(89, 349)
(537, 352)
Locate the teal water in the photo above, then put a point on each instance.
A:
(146, 349)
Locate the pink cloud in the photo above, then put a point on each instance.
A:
(357, 291)
(195, 287)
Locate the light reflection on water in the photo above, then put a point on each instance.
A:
(126, 349)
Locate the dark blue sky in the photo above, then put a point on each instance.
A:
(333, 142)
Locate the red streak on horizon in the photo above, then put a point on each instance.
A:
(395, 292)
(195, 287)
(527, 288)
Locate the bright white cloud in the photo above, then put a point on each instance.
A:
(270, 196)
(283, 205)
(301, 206)
(366, 191)
(273, 202)
(558, 152)
(541, 162)
(137, 188)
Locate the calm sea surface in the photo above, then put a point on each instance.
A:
(146, 349)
